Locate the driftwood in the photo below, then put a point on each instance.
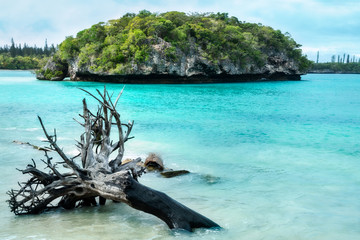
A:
(154, 163)
(173, 173)
(92, 175)
(33, 146)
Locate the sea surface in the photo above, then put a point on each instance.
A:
(268, 160)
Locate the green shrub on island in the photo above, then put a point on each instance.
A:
(18, 62)
(115, 46)
(54, 69)
(50, 74)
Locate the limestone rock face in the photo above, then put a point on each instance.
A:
(53, 70)
(191, 67)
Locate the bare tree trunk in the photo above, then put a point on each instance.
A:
(98, 176)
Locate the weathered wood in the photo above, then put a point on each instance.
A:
(98, 177)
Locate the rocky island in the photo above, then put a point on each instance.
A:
(175, 47)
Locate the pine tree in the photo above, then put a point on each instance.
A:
(333, 58)
(18, 50)
(12, 48)
(46, 48)
(52, 48)
(317, 57)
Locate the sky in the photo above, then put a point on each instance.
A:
(331, 27)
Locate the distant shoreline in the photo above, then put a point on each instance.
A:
(330, 72)
(29, 70)
(336, 67)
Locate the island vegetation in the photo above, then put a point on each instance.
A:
(17, 56)
(158, 44)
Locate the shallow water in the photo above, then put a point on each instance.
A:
(269, 160)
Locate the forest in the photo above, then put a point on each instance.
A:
(334, 67)
(17, 56)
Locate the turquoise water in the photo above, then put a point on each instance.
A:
(269, 160)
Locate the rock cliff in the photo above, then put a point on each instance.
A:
(189, 68)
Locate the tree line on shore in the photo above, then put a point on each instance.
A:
(17, 56)
(339, 64)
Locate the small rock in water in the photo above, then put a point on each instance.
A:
(154, 162)
(210, 179)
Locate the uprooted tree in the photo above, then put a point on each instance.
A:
(68, 184)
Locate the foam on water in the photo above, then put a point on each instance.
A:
(269, 160)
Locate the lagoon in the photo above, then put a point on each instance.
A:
(268, 160)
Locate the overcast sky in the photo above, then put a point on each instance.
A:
(328, 26)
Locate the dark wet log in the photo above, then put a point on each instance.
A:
(173, 173)
(173, 213)
(97, 176)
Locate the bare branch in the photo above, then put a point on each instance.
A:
(118, 97)
(58, 150)
(52, 166)
(102, 103)
(81, 124)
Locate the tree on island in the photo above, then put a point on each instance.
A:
(12, 49)
(97, 176)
